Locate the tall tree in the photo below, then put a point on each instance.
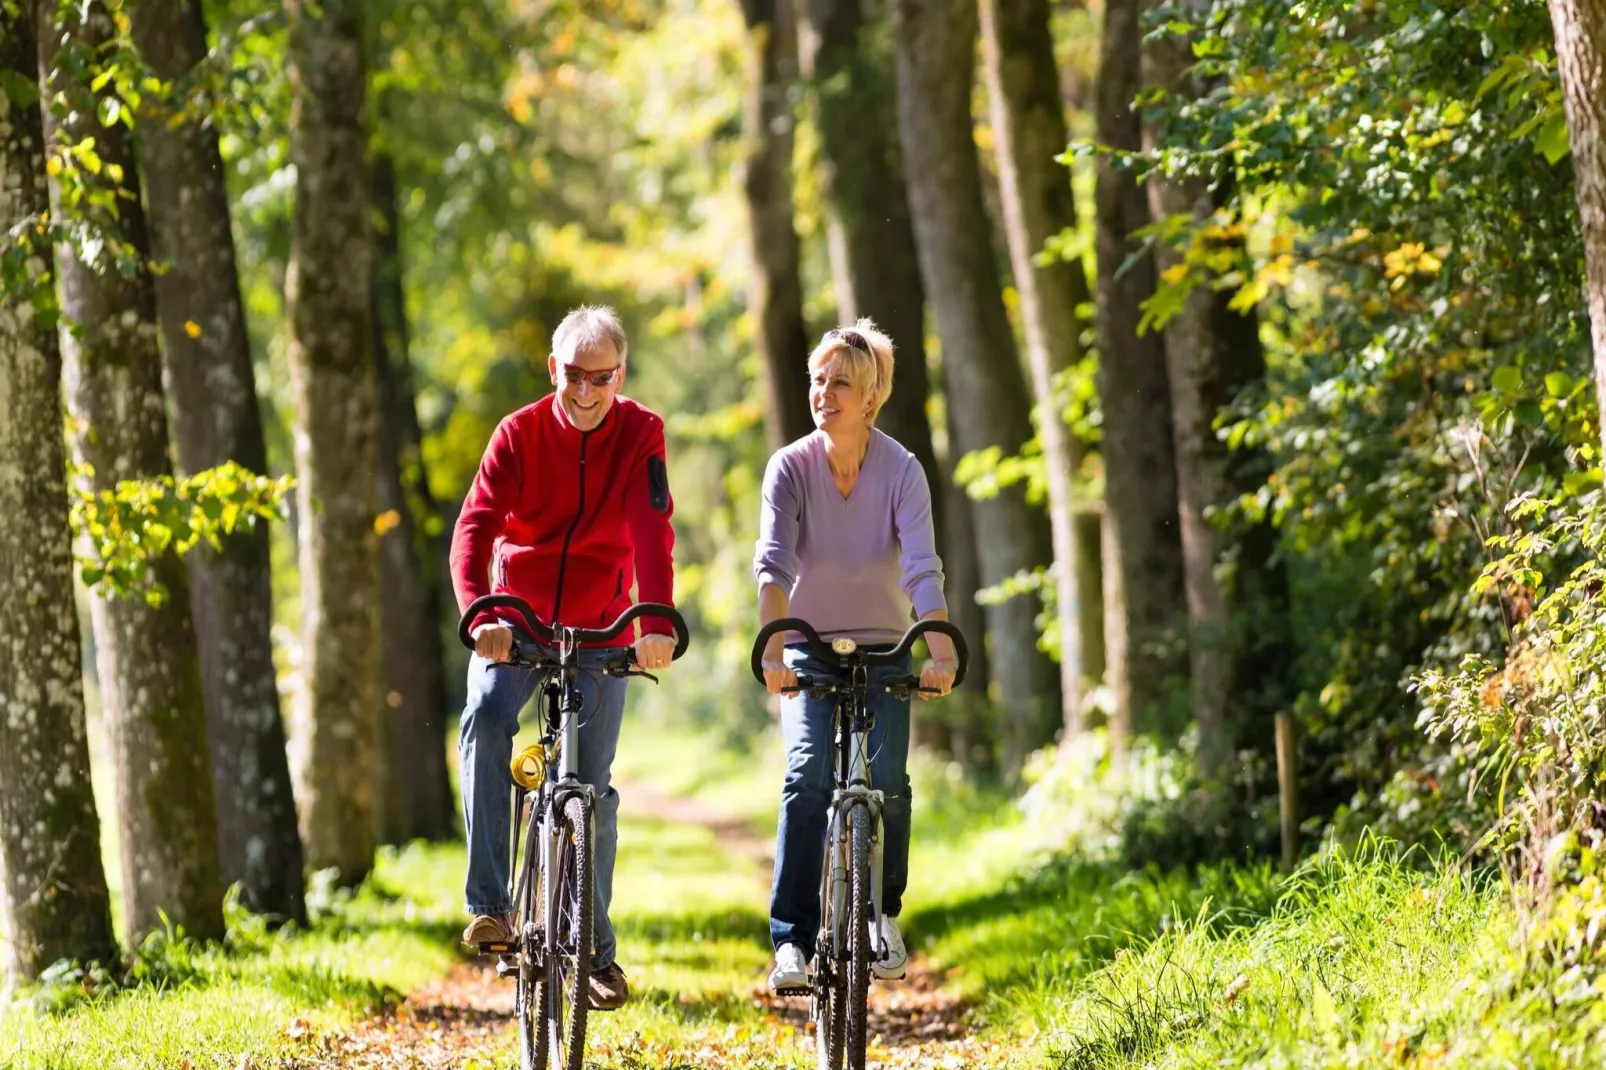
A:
(776, 299)
(416, 803)
(1144, 597)
(1028, 118)
(1580, 27)
(1213, 352)
(216, 417)
(847, 57)
(150, 672)
(53, 897)
(846, 60)
(328, 290)
(985, 389)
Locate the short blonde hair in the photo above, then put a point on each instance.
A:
(591, 327)
(869, 369)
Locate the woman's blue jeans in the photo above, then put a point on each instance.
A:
(485, 747)
(806, 726)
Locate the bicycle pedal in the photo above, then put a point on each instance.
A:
(497, 947)
(794, 990)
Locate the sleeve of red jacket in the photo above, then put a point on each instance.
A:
(649, 506)
(490, 498)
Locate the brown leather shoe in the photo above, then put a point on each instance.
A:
(489, 929)
(609, 991)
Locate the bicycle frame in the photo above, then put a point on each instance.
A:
(852, 722)
(563, 704)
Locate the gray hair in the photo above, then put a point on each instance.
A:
(590, 327)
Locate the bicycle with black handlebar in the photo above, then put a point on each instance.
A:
(850, 883)
(551, 875)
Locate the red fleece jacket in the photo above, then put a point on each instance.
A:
(569, 520)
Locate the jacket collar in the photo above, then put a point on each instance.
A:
(598, 435)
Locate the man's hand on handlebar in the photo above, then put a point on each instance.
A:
(654, 651)
(493, 642)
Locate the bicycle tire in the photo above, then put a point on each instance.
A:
(567, 980)
(859, 954)
(530, 1006)
(529, 1001)
(830, 994)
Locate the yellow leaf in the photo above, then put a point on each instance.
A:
(53, 166)
(192, 328)
(1174, 274)
(386, 521)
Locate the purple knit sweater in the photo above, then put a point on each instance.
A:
(853, 566)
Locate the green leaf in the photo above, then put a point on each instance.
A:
(1552, 141)
(22, 92)
(1507, 379)
(1558, 384)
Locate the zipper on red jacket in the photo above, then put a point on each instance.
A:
(563, 558)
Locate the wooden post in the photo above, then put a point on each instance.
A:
(1288, 786)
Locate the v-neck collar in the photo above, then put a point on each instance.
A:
(869, 448)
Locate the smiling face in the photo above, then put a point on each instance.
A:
(576, 376)
(835, 401)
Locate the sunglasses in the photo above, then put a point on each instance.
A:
(576, 376)
(849, 338)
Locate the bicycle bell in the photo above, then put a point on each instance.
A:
(844, 646)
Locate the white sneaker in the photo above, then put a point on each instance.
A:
(894, 956)
(791, 973)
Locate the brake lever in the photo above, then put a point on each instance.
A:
(620, 670)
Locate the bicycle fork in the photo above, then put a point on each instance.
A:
(838, 861)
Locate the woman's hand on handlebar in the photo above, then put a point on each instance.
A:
(937, 678)
(654, 651)
(493, 642)
(777, 676)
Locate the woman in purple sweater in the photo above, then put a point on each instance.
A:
(846, 543)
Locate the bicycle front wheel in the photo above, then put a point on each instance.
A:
(567, 979)
(859, 918)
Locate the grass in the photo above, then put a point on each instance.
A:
(224, 1002)
(1376, 958)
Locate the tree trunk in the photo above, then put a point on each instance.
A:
(1212, 353)
(214, 401)
(846, 61)
(53, 897)
(1035, 189)
(777, 290)
(1581, 57)
(986, 392)
(1144, 596)
(328, 289)
(150, 673)
(419, 801)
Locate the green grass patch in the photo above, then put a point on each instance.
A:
(239, 999)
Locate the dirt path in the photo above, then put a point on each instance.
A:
(464, 1019)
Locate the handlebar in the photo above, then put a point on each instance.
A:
(823, 651)
(542, 633)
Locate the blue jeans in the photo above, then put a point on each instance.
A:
(485, 747)
(806, 800)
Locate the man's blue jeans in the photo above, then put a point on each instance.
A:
(806, 724)
(485, 747)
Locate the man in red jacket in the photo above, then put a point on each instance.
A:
(569, 509)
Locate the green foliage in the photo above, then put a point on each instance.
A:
(1390, 202)
(129, 528)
